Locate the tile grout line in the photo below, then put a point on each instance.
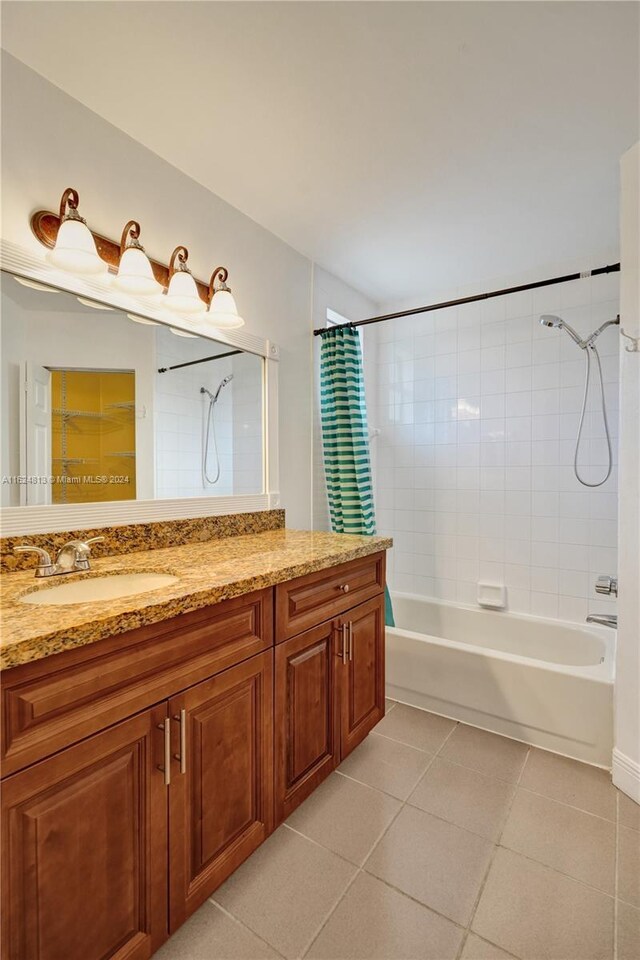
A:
(360, 868)
(243, 925)
(496, 847)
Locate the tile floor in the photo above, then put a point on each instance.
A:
(437, 841)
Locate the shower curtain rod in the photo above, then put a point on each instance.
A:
(612, 268)
(191, 363)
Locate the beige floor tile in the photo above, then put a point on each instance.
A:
(569, 781)
(538, 914)
(389, 704)
(573, 842)
(485, 752)
(464, 797)
(629, 865)
(345, 816)
(477, 949)
(285, 890)
(211, 935)
(628, 932)
(435, 862)
(628, 811)
(386, 765)
(425, 731)
(374, 922)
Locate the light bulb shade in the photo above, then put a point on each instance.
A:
(75, 249)
(223, 312)
(135, 274)
(182, 294)
(143, 320)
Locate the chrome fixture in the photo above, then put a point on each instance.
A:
(72, 558)
(589, 347)
(604, 620)
(607, 586)
(210, 430)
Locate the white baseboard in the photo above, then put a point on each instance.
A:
(626, 775)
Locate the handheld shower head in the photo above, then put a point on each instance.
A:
(557, 323)
(214, 396)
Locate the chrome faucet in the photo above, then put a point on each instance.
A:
(604, 619)
(71, 558)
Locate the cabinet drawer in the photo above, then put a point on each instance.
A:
(57, 701)
(308, 600)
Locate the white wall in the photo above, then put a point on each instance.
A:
(478, 408)
(626, 755)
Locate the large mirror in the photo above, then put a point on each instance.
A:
(98, 405)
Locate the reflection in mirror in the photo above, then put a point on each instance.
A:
(99, 406)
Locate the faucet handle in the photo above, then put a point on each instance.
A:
(607, 586)
(44, 560)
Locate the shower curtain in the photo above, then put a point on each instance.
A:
(345, 437)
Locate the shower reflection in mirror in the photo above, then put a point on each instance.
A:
(97, 406)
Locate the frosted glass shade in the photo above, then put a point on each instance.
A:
(182, 294)
(135, 274)
(223, 312)
(75, 249)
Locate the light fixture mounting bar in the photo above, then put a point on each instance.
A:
(45, 225)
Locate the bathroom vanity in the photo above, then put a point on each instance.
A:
(174, 732)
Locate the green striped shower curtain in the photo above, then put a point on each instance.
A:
(345, 436)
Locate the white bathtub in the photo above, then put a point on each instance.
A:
(547, 683)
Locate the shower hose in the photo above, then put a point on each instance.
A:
(587, 377)
(211, 431)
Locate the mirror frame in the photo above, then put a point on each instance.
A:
(30, 264)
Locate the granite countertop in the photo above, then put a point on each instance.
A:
(208, 572)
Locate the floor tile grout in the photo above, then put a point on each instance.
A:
(244, 926)
(496, 844)
(496, 847)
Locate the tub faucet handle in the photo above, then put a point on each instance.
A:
(607, 586)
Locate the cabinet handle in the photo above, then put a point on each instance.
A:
(344, 642)
(166, 770)
(344, 587)
(182, 756)
(350, 639)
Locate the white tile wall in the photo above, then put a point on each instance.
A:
(478, 409)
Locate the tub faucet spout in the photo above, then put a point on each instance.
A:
(604, 619)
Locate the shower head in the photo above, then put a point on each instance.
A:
(557, 323)
(214, 396)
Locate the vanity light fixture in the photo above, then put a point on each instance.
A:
(223, 312)
(135, 273)
(75, 249)
(182, 293)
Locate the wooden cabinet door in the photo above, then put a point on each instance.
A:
(221, 792)
(307, 739)
(84, 849)
(362, 676)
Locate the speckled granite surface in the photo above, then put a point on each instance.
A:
(208, 573)
(127, 538)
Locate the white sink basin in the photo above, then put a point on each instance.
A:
(99, 588)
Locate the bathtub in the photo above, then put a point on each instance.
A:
(544, 682)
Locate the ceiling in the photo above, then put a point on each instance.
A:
(406, 147)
